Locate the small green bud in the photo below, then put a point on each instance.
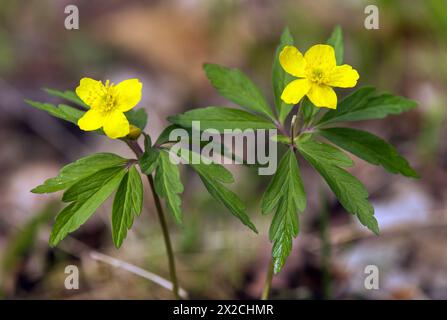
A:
(134, 133)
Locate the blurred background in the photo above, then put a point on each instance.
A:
(165, 43)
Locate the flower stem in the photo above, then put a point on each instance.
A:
(268, 281)
(135, 147)
(325, 249)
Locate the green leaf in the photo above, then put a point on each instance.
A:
(83, 188)
(164, 135)
(362, 105)
(282, 139)
(287, 175)
(147, 141)
(138, 118)
(286, 193)
(87, 195)
(309, 111)
(357, 99)
(336, 41)
(330, 154)
(350, 192)
(62, 111)
(280, 78)
(221, 118)
(78, 170)
(128, 204)
(212, 175)
(218, 145)
(71, 113)
(168, 184)
(68, 95)
(215, 171)
(369, 148)
(237, 87)
(149, 160)
(163, 138)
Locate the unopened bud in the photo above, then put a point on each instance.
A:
(293, 120)
(134, 132)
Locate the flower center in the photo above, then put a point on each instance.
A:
(316, 75)
(109, 97)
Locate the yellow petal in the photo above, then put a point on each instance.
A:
(323, 96)
(295, 90)
(90, 91)
(343, 76)
(116, 125)
(321, 56)
(128, 94)
(292, 61)
(91, 120)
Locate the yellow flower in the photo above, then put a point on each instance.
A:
(318, 73)
(107, 105)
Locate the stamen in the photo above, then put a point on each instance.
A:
(316, 75)
(109, 97)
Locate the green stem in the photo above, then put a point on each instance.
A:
(135, 147)
(325, 249)
(268, 281)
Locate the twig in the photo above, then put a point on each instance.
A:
(137, 271)
(79, 249)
